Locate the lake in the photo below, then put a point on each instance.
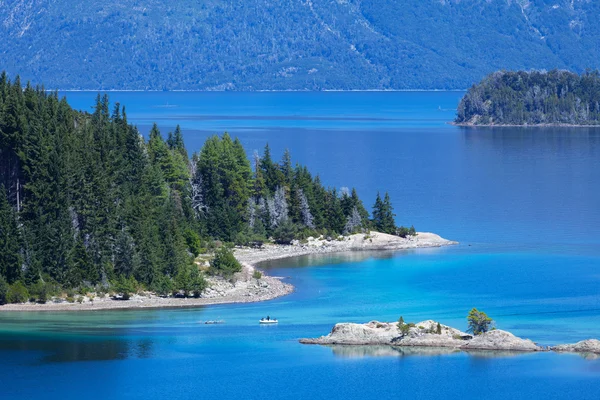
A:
(524, 203)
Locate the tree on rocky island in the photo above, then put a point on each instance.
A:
(478, 322)
(383, 215)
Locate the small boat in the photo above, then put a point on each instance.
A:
(267, 321)
(213, 322)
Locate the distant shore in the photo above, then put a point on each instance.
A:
(471, 125)
(246, 288)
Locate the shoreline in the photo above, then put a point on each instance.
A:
(470, 125)
(246, 289)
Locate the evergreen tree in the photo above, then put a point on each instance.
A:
(383, 215)
(10, 241)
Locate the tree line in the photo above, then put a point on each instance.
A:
(533, 98)
(85, 200)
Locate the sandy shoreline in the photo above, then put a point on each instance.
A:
(247, 289)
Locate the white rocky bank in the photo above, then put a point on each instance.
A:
(387, 333)
(373, 241)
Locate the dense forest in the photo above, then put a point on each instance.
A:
(292, 44)
(532, 98)
(86, 201)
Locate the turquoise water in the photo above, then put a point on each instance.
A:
(523, 203)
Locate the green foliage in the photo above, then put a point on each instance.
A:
(383, 215)
(400, 322)
(41, 291)
(190, 281)
(257, 274)
(404, 232)
(531, 98)
(10, 240)
(285, 232)
(193, 242)
(478, 322)
(3, 290)
(162, 286)
(125, 287)
(224, 263)
(17, 293)
(438, 329)
(85, 199)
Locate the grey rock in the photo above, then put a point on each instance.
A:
(500, 340)
(585, 346)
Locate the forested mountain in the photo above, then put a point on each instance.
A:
(292, 44)
(85, 200)
(532, 98)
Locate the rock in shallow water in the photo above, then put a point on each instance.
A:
(585, 346)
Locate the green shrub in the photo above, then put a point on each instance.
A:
(285, 232)
(224, 263)
(404, 232)
(257, 274)
(125, 287)
(190, 281)
(162, 286)
(17, 293)
(83, 290)
(400, 322)
(438, 329)
(70, 299)
(192, 239)
(41, 291)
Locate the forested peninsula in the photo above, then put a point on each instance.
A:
(532, 99)
(89, 207)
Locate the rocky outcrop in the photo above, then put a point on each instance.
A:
(422, 334)
(379, 333)
(372, 333)
(585, 346)
(500, 340)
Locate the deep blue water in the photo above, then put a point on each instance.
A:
(524, 203)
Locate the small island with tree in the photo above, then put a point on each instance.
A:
(535, 98)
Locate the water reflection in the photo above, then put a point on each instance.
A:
(351, 351)
(312, 260)
(59, 351)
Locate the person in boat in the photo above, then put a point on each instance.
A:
(268, 318)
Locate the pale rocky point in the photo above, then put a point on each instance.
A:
(424, 335)
(243, 287)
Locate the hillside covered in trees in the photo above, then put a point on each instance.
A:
(293, 44)
(86, 201)
(532, 98)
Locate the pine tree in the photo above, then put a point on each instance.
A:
(10, 241)
(383, 215)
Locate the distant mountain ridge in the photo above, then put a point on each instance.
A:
(291, 44)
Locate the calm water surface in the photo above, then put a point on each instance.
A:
(524, 203)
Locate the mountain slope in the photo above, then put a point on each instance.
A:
(291, 44)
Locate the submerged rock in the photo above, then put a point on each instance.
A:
(585, 346)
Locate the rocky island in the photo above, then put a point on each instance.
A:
(422, 334)
(431, 334)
